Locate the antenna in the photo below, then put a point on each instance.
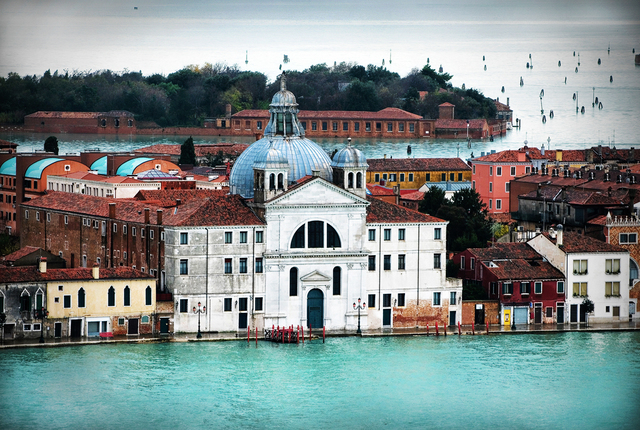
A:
(389, 56)
(246, 60)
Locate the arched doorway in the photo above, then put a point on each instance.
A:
(315, 309)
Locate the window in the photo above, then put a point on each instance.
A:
(37, 216)
(525, 288)
(490, 170)
(462, 263)
(184, 267)
(612, 289)
(184, 306)
(494, 288)
(436, 261)
(26, 214)
(324, 126)
(472, 263)
(401, 299)
(298, 238)
(337, 281)
(498, 204)
(612, 266)
(334, 126)
(314, 125)
(411, 177)
(228, 236)
(372, 235)
(507, 288)
(66, 302)
(376, 177)
(401, 177)
(560, 287)
(258, 304)
(133, 231)
(443, 177)
(401, 259)
(498, 171)
(151, 234)
(259, 125)
(356, 126)
(537, 288)
(147, 296)
(389, 127)
(579, 288)
(259, 237)
(81, 298)
(372, 262)
(628, 238)
(333, 240)
(227, 304)
(401, 126)
(111, 296)
(316, 234)
(412, 127)
(121, 321)
(345, 126)
(228, 266)
(127, 296)
(243, 265)
(490, 187)
(527, 170)
(387, 262)
(371, 301)
(378, 126)
(142, 232)
(258, 265)
(513, 170)
(243, 237)
(436, 299)
(66, 219)
(580, 267)
(401, 232)
(452, 298)
(437, 233)
(392, 177)
(387, 234)
(549, 312)
(293, 281)
(184, 238)
(115, 227)
(507, 187)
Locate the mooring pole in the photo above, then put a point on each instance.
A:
(487, 327)
(437, 332)
(323, 330)
(473, 327)
(256, 336)
(459, 328)
(248, 334)
(444, 329)
(427, 329)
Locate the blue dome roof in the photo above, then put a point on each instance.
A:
(271, 159)
(349, 157)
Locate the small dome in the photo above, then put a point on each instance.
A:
(271, 159)
(283, 97)
(349, 157)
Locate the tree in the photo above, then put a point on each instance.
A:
(51, 144)
(433, 199)
(187, 152)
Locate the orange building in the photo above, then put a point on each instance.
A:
(112, 122)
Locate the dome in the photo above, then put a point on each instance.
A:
(271, 159)
(283, 97)
(349, 157)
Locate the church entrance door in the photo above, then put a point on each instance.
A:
(315, 308)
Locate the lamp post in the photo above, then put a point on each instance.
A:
(201, 309)
(358, 308)
(43, 314)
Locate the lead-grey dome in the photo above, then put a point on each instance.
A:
(271, 159)
(349, 157)
(285, 135)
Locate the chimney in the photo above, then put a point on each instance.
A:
(178, 202)
(159, 216)
(396, 193)
(507, 101)
(227, 110)
(147, 218)
(42, 265)
(315, 173)
(112, 210)
(95, 271)
(559, 233)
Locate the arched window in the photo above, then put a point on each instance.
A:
(281, 181)
(359, 180)
(127, 296)
(333, 240)
(272, 181)
(298, 238)
(289, 123)
(81, 297)
(633, 270)
(293, 281)
(316, 234)
(279, 123)
(111, 296)
(350, 181)
(147, 296)
(337, 273)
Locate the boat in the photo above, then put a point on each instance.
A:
(637, 59)
(509, 126)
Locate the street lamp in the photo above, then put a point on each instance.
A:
(358, 308)
(199, 311)
(43, 314)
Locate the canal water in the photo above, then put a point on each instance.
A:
(569, 380)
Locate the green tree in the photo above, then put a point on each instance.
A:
(433, 199)
(51, 144)
(187, 152)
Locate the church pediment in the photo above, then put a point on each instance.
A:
(317, 192)
(315, 276)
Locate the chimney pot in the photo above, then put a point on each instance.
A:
(95, 271)
(159, 216)
(42, 265)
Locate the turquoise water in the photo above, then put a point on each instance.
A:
(571, 380)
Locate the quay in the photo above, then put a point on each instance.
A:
(465, 330)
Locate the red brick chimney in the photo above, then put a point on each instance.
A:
(112, 210)
(147, 217)
(159, 216)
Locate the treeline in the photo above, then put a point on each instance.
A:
(187, 96)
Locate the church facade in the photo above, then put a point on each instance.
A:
(298, 242)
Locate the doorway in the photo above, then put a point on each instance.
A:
(479, 315)
(57, 330)
(315, 310)
(76, 328)
(386, 311)
(133, 326)
(164, 325)
(537, 315)
(452, 318)
(560, 313)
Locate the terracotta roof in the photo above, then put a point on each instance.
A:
(501, 106)
(416, 164)
(599, 220)
(387, 113)
(445, 104)
(201, 149)
(169, 198)
(79, 115)
(413, 195)
(506, 156)
(474, 124)
(380, 211)
(521, 269)
(7, 144)
(578, 243)
(32, 274)
(573, 196)
(504, 251)
(22, 252)
(252, 113)
(220, 210)
(503, 218)
(379, 190)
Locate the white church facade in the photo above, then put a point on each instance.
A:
(298, 242)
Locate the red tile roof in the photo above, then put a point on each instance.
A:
(412, 195)
(387, 113)
(445, 104)
(504, 251)
(578, 243)
(32, 274)
(474, 124)
(79, 115)
(416, 164)
(506, 156)
(22, 252)
(169, 198)
(380, 211)
(501, 107)
(221, 210)
(521, 269)
(379, 190)
(201, 149)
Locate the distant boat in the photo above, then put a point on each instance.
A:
(502, 89)
(485, 67)
(135, 8)
(637, 59)
(598, 61)
(521, 81)
(509, 126)
(559, 63)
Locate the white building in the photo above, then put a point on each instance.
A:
(92, 184)
(593, 269)
(298, 243)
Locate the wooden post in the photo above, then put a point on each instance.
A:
(487, 327)
(459, 328)
(323, 329)
(310, 331)
(248, 333)
(473, 328)
(427, 329)
(302, 334)
(444, 329)
(256, 336)
(298, 334)
(437, 333)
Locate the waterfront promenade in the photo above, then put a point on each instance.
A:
(522, 329)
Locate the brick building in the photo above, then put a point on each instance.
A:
(112, 122)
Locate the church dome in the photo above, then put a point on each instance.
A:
(271, 159)
(349, 157)
(284, 141)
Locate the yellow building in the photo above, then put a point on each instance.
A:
(413, 173)
(86, 302)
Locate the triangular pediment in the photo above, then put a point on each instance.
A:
(315, 276)
(317, 192)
